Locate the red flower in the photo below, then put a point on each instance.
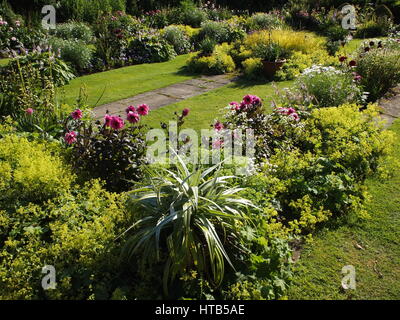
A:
(352, 63)
(218, 126)
(185, 112)
(342, 58)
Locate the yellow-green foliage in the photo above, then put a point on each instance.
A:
(188, 30)
(305, 42)
(351, 137)
(252, 67)
(219, 62)
(299, 61)
(302, 187)
(30, 171)
(75, 233)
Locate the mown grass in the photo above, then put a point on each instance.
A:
(211, 105)
(126, 82)
(372, 246)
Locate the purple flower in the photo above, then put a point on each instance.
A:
(29, 111)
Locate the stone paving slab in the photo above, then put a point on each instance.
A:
(165, 96)
(391, 107)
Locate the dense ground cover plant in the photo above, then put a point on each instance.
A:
(29, 172)
(75, 233)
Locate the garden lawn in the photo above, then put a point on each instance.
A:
(126, 82)
(372, 246)
(211, 105)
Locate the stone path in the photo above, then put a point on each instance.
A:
(391, 107)
(166, 96)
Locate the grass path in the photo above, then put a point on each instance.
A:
(126, 82)
(377, 264)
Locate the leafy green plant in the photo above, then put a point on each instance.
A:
(379, 70)
(264, 21)
(28, 82)
(271, 51)
(29, 172)
(178, 39)
(187, 218)
(150, 48)
(75, 52)
(329, 87)
(74, 31)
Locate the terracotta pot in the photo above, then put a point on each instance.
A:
(270, 68)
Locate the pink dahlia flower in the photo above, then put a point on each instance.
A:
(70, 137)
(133, 117)
(117, 123)
(130, 109)
(77, 114)
(143, 109)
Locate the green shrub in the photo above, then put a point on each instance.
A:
(76, 52)
(380, 71)
(323, 170)
(30, 172)
(253, 68)
(220, 32)
(74, 31)
(191, 15)
(329, 87)
(75, 233)
(373, 28)
(219, 62)
(264, 21)
(178, 39)
(150, 48)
